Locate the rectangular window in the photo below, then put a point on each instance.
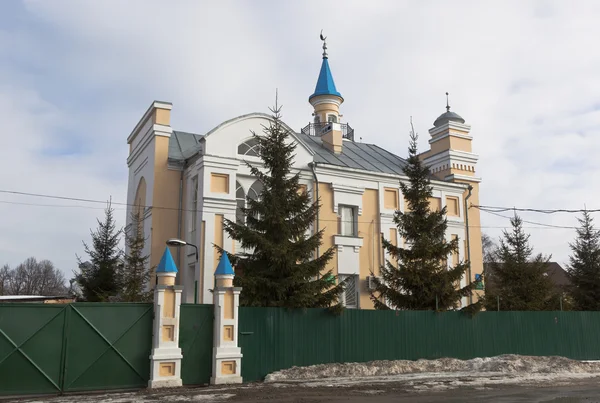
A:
(349, 297)
(347, 221)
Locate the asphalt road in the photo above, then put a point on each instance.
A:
(585, 391)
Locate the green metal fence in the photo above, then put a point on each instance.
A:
(196, 342)
(273, 338)
(47, 348)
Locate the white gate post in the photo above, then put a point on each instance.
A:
(165, 369)
(227, 355)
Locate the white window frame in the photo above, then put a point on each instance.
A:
(332, 119)
(344, 295)
(344, 211)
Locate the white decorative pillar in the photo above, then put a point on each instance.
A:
(165, 369)
(227, 355)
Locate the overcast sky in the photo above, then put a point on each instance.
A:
(76, 76)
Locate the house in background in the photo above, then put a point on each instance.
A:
(558, 276)
(186, 184)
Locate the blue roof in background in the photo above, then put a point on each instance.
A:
(224, 267)
(167, 264)
(325, 84)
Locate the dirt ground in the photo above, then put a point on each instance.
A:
(578, 391)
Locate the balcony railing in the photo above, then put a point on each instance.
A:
(318, 129)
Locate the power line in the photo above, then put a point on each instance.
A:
(488, 209)
(53, 205)
(533, 210)
(530, 222)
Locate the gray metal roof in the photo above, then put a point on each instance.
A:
(368, 157)
(183, 145)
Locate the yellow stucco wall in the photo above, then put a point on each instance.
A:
(369, 230)
(165, 195)
(328, 221)
(450, 142)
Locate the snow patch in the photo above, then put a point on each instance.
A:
(503, 365)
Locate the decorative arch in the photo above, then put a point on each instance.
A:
(249, 147)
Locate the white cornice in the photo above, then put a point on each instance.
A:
(215, 161)
(146, 116)
(453, 156)
(463, 178)
(326, 99)
(450, 125)
(162, 130)
(345, 172)
(347, 189)
(218, 205)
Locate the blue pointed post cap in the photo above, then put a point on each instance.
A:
(325, 83)
(167, 264)
(224, 267)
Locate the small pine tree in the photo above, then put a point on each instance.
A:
(417, 277)
(134, 274)
(97, 278)
(281, 270)
(520, 281)
(584, 267)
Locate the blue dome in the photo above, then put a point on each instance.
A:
(325, 83)
(224, 267)
(167, 264)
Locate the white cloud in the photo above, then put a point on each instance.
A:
(523, 74)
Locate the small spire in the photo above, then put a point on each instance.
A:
(324, 39)
(447, 103)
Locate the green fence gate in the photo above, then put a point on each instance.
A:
(48, 348)
(196, 342)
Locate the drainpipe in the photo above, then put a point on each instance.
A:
(470, 188)
(312, 168)
(179, 213)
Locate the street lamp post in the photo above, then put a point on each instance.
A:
(179, 243)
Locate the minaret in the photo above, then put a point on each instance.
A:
(451, 159)
(326, 101)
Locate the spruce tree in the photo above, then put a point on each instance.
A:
(584, 267)
(98, 277)
(281, 270)
(519, 280)
(417, 277)
(134, 272)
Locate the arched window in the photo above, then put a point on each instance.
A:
(240, 198)
(249, 147)
(332, 118)
(255, 190)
